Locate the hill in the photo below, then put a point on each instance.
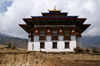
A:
(18, 42)
(91, 42)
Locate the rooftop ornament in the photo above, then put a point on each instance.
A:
(54, 9)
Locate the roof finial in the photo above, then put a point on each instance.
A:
(54, 7)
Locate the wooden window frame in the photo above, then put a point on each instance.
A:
(67, 35)
(42, 35)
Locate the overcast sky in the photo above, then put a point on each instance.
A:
(12, 12)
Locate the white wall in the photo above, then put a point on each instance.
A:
(30, 45)
(48, 44)
(37, 46)
(60, 37)
(48, 38)
(36, 38)
(79, 42)
(73, 42)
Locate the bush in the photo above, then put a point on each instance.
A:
(78, 49)
(87, 50)
(14, 47)
(94, 51)
(9, 45)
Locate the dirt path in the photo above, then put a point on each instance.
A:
(64, 62)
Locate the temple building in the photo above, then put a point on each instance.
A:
(54, 31)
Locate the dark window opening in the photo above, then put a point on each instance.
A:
(42, 45)
(43, 23)
(54, 23)
(50, 23)
(38, 23)
(54, 45)
(64, 23)
(66, 44)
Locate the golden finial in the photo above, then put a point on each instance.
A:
(54, 7)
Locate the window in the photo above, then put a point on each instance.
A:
(55, 35)
(42, 31)
(42, 45)
(66, 44)
(54, 45)
(42, 35)
(54, 32)
(66, 35)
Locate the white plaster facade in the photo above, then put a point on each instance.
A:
(79, 42)
(35, 46)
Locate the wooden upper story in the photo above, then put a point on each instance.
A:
(61, 21)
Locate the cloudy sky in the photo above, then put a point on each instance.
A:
(12, 12)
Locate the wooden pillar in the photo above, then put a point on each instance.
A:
(31, 36)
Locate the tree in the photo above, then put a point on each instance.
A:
(87, 50)
(94, 51)
(9, 45)
(78, 49)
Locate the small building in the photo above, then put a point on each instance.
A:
(54, 31)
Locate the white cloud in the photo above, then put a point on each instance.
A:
(19, 9)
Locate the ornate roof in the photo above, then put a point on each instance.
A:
(54, 16)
